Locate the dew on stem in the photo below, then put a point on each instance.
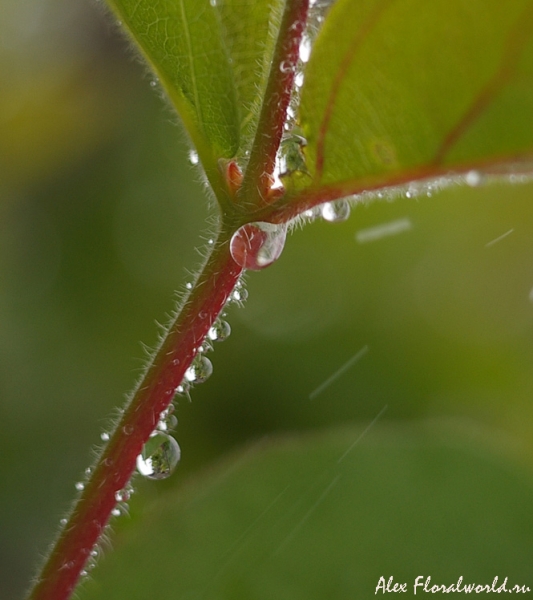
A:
(159, 457)
(200, 370)
(193, 157)
(219, 331)
(335, 212)
(473, 178)
(256, 246)
(167, 420)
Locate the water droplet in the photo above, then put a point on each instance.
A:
(79, 485)
(88, 471)
(94, 552)
(239, 295)
(84, 573)
(159, 457)
(104, 436)
(63, 522)
(153, 83)
(167, 422)
(305, 49)
(299, 79)
(193, 157)
(335, 212)
(116, 512)
(188, 285)
(183, 388)
(286, 66)
(200, 370)
(210, 242)
(473, 178)
(213, 2)
(124, 495)
(219, 331)
(257, 245)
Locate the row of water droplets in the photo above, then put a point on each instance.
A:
(161, 453)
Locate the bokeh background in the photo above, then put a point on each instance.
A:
(101, 216)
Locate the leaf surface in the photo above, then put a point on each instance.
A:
(401, 89)
(213, 59)
(324, 516)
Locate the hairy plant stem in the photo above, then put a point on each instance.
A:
(153, 394)
(258, 177)
(157, 387)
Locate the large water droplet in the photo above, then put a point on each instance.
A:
(219, 331)
(159, 457)
(335, 212)
(200, 370)
(257, 245)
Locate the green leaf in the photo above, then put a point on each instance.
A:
(324, 516)
(212, 60)
(250, 31)
(411, 88)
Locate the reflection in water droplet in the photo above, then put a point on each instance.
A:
(335, 212)
(200, 370)
(79, 486)
(219, 331)
(104, 436)
(188, 285)
(193, 157)
(159, 457)
(257, 245)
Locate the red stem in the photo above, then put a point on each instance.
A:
(153, 394)
(258, 177)
(156, 390)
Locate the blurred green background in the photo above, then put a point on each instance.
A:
(100, 219)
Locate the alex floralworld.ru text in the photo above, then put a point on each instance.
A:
(423, 584)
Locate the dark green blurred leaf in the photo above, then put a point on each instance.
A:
(403, 89)
(325, 516)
